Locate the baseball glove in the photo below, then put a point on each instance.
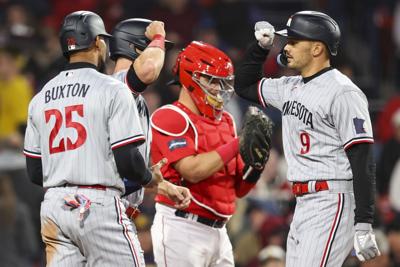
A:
(255, 138)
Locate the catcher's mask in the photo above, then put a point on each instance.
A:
(207, 73)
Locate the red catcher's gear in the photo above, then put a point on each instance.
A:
(215, 196)
(201, 59)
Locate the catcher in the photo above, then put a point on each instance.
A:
(204, 154)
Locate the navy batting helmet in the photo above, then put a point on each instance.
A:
(78, 31)
(313, 25)
(127, 36)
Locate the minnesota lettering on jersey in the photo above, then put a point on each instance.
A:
(67, 90)
(298, 110)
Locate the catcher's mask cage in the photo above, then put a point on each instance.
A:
(79, 30)
(207, 73)
(129, 39)
(313, 25)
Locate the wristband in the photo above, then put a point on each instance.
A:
(228, 151)
(134, 83)
(158, 41)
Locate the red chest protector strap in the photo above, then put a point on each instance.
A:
(171, 120)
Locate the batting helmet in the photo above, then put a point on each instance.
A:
(313, 25)
(78, 31)
(127, 36)
(201, 59)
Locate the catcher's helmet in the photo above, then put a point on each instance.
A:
(127, 36)
(313, 25)
(201, 59)
(78, 31)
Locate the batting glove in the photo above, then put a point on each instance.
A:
(264, 33)
(365, 243)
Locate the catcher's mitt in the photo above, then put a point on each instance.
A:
(255, 138)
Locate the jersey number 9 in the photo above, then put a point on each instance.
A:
(80, 129)
(305, 142)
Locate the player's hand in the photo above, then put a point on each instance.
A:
(264, 33)
(179, 194)
(365, 243)
(157, 176)
(155, 27)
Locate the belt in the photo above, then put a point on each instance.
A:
(300, 189)
(93, 186)
(203, 220)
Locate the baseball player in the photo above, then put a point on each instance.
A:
(327, 140)
(81, 138)
(199, 140)
(138, 48)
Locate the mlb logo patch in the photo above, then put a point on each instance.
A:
(359, 125)
(71, 42)
(176, 143)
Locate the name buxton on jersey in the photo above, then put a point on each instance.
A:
(67, 90)
(298, 110)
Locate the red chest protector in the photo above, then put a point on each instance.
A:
(215, 194)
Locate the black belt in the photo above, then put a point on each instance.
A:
(203, 220)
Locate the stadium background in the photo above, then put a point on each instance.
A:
(369, 53)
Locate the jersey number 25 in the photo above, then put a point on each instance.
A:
(80, 129)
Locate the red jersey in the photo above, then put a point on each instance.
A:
(178, 133)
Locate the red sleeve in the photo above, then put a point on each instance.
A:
(173, 148)
(242, 187)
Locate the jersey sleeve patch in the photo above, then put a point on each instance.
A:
(177, 143)
(169, 121)
(359, 125)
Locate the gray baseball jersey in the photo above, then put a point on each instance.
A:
(320, 119)
(137, 197)
(73, 127)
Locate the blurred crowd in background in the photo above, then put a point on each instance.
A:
(369, 54)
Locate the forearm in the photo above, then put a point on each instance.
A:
(199, 167)
(131, 165)
(250, 72)
(363, 168)
(149, 64)
(35, 171)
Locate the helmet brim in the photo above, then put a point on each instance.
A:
(282, 33)
(106, 35)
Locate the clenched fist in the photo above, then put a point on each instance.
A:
(264, 33)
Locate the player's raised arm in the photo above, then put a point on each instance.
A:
(250, 72)
(138, 47)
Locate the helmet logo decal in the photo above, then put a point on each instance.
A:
(71, 42)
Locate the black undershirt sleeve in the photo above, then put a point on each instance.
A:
(250, 72)
(364, 181)
(131, 165)
(133, 81)
(35, 171)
